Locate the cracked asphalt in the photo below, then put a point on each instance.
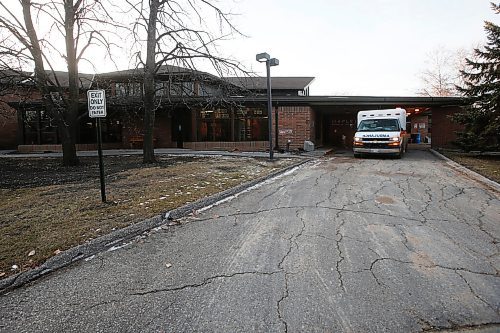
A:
(339, 245)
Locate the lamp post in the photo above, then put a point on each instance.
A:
(264, 57)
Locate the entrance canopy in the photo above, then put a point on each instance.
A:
(334, 117)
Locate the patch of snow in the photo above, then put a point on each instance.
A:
(256, 186)
(117, 247)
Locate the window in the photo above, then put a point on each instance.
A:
(184, 88)
(175, 89)
(378, 125)
(244, 124)
(39, 128)
(111, 129)
(55, 96)
(135, 89)
(160, 88)
(120, 89)
(206, 90)
(30, 124)
(214, 125)
(251, 125)
(128, 89)
(188, 88)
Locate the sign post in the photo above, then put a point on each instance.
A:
(97, 109)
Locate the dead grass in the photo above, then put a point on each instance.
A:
(488, 166)
(41, 218)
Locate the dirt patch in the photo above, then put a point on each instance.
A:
(47, 208)
(424, 264)
(488, 166)
(340, 160)
(383, 199)
(414, 241)
(391, 174)
(421, 259)
(382, 229)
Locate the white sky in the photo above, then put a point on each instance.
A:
(351, 47)
(356, 47)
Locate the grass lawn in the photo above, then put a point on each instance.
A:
(47, 208)
(488, 166)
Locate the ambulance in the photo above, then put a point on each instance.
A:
(381, 132)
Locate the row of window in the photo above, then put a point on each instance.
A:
(39, 128)
(244, 125)
(165, 88)
(212, 125)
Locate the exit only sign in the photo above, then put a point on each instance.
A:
(96, 103)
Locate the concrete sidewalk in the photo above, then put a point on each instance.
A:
(168, 151)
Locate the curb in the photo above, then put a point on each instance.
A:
(472, 174)
(104, 242)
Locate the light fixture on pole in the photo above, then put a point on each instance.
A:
(265, 57)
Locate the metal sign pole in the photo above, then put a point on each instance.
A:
(96, 100)
(101, 163)
(269, 110)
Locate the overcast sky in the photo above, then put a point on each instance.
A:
(356, 47)
(351, 47)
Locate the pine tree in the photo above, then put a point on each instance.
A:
(481, 118)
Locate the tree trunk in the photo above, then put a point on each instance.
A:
(149, 86)
(71, 114)
(69, 148)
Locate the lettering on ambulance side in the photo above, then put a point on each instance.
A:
(376, 135)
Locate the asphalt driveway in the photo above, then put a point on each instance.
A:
(339, 245)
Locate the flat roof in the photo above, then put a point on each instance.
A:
(277, 82)
(354, 100)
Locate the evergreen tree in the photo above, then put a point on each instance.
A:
(481, 118)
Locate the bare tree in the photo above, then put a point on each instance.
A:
(80, 23)
(443, 71)
(461, 65)
(440, 76)
(177, 33)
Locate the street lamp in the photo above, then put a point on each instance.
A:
(264, 57)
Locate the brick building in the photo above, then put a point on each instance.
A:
(201, 111)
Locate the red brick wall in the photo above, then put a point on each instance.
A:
(242, 145)
(443, 129)
(133, 126)
(8, 116)
(163, 129)
(295, 123)
(58, 148)
(8, 127)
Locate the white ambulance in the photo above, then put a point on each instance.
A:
(381, 132)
